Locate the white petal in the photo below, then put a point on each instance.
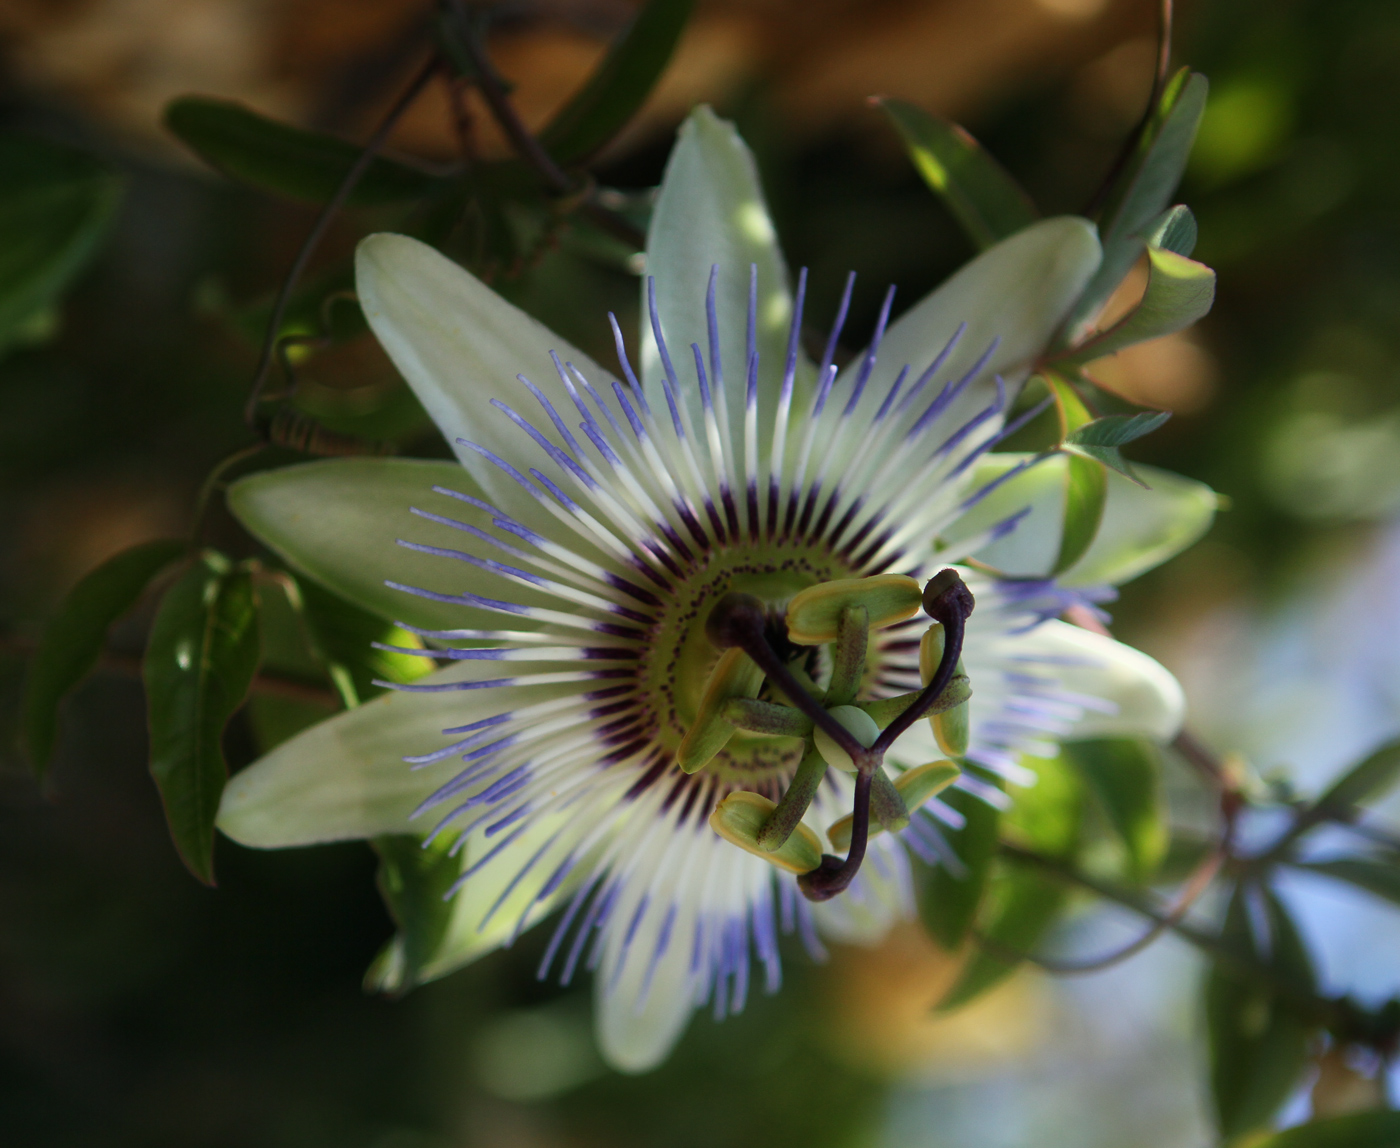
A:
(459, 345)
(710, 212)
(346, 778)
(1141, 528)
(1144, 698)
(881, 895)
(1018, 291)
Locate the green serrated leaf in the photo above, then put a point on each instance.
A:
(1357, 1130)
(950, 899)
(73, 640)
(1116, 430)
(984, 199)
(290, 161)
(1258, 1047)
(1379, 874)
(1124, 775)
(619, 85)
(200, 661)
(1174, 230)
(1365, 781)
(413, 880)
(1179, 291)
(56, 204)
(1143, 189)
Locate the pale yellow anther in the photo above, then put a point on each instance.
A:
(734, 676)
(740, 816)
(915, 786)
(952, 727)
(814, 615)
(858, 724)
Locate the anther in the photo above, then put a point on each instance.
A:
(951, 726)
(814, 614)
(915, 787)
(740, 818)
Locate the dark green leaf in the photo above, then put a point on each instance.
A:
(200, 661)
(1143, 189)
(619, 85)
(1179, 291)
(74, 639)
(1086, 494)
(984, 199)
(413, 881)
(1022, 906)
(287, 160)
(1173, 230)
(1101, 439)
(55, 207)
(1365, 781)
(1379, 875)
(1124, 775)
(1258, 1046)
(1046, 816)
(1358, 1130)
(950, 898)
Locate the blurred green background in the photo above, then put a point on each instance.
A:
(138, 1008)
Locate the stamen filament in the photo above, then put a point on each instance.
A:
(800, 791)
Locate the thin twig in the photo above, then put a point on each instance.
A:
(319, 228)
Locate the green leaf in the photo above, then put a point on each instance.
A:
(982, 196)
(345, 637)
(413, 880)
(1101, 439)
(1086, 492)
(1046, 815)
(1365, 781)
(1174, 230)
(619, 85)
(1179, 291)
(1124, 775)
(949, 900)
(56, 204)
(1022, 906)
(1258, 1047)
(200, 661)
(1357, 1130)
(73, 640)
(1143, 189)
(1379, 875)
(290, 161)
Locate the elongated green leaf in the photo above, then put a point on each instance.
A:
(1358, 1130)
(1379, 875)
(1174, 230)
(950, 897)
(1086, 482)
(1102, 439)
(1179, 291)
(1365, 781)
(1022, 906)
(74, 638)
(200, 661)
(413, 880)
(1258, 1047)
(983, 198)
(284, 159)
(620, 84)
(55, 206)
(1124, 775)
(1143, 188)
(346, 637)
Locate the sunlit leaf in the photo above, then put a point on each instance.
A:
(1143, 188)
(55, 206)
(1379, 874)
(290, 161)
(1086, 483)
(1124, 775)
(1365, 781)
(951, 896)
(1174, 230)
(74, 639)
(983, 198)
(1357, 1130)
(1179, 291)
(1258, 1046)
(413, 881)
(619, 85)
(200, 661)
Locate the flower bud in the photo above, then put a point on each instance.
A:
(740, 817)
(859, 724)
(915, 786)
(951, 727)
(814, 615)
(734, 676)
